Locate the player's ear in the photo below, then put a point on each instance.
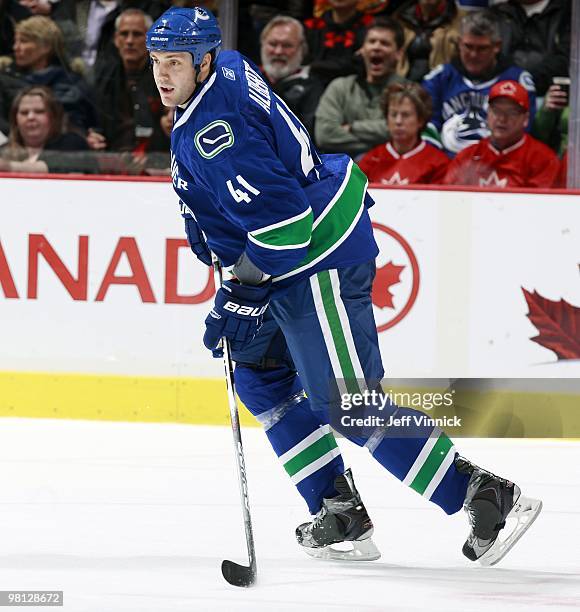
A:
(206, 61)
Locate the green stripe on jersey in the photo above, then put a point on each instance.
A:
(288, 234)
(337, 332)
(431, 464)
(310, 454)
(339, 217)
(336, 221)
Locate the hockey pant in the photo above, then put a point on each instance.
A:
(329, 336)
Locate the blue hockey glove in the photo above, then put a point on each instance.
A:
(237, 314)
(196, 240)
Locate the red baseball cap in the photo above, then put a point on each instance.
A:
(511, 90)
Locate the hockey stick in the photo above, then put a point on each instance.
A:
(238, 575)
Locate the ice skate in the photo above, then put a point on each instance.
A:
(342, 519)
(490, 502)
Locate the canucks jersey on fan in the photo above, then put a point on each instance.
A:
(294, 212)
(460, 104)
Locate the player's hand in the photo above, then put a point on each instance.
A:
(237, 314)
(196, 240)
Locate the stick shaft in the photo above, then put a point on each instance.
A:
(237, 436)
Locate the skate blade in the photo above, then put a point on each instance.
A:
(360, 550)
(525, 511)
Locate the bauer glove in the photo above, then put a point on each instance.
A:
(237, 314)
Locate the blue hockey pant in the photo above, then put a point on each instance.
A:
(321, 338)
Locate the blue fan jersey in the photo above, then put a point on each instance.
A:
(460, 105)
(244, 166)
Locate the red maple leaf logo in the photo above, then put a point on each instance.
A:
(386, 277)
(558, 324)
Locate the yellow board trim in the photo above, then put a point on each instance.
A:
(200, 401)
(203, 401)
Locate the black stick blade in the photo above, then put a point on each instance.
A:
(238, 575)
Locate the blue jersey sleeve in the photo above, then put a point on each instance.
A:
(434, 84)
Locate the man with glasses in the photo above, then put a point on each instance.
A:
(282, 50)
(460, 89)
(508, 157)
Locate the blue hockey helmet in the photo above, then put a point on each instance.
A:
(194, 30)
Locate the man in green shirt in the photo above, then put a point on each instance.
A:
(349, 118)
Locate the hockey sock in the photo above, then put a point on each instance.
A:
(304, 444)
(422, 457)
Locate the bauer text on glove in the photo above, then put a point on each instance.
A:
(237, 314)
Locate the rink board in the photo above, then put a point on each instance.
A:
(102, 304)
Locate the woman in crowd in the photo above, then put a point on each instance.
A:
(405, 159)
(38, 59)
(37, 142)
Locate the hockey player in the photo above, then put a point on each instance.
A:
(295, 230)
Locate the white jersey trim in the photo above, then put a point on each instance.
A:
(518, 144)
(288, 221)
(189, 110)
(335, 197)
(408, 154)
(276, 279)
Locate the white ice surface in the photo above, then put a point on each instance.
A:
(134, 517)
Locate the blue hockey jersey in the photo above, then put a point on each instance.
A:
(244, 166)
(460, 104)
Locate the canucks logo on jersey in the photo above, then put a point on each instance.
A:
(214, 138)
(463, 129)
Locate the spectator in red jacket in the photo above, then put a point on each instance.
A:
(508, 157)
(405, 159)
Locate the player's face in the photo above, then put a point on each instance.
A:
(478, 53)
(130, 40)
(174, 76)
(33, 121)
(281, 51)
(404, 124)
(507, 122)
(380, 54)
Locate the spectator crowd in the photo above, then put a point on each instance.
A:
(456, 92)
